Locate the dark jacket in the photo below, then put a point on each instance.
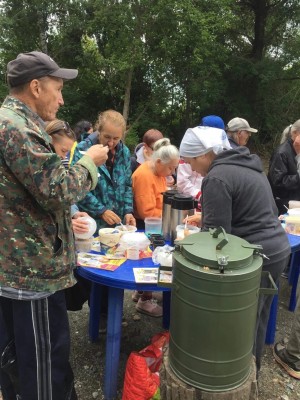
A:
(232, 142)
(283, 175)
(236, 195)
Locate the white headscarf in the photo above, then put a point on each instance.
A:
(203, 139)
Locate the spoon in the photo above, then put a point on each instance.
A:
(124, 227)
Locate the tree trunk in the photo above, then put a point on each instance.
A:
(261, 9)
(173, 388)
(127, 95)
(43, 34)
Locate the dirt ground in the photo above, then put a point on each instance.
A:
(88, 358)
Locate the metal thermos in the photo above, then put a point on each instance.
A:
(166, 213)
(181, 206)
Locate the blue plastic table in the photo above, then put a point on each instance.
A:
(293, 281)
(116, 281)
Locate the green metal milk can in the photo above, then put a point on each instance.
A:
(216, 285)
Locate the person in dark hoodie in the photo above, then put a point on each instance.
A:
(237, 196)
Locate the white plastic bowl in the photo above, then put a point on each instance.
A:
(130, 229)
(294, 211)
(92, 228)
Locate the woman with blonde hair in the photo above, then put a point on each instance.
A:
(111, 201)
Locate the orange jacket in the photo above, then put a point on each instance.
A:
(147, 192)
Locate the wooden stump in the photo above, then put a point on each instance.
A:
(173, 388)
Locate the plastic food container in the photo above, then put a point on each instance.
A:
(129, 229)
(109, 238)
(132, 245)
(153, 225)
(84, 245)
(294, 204)
(292, 224)
(294, 211)
(181, 233)
(92, 225)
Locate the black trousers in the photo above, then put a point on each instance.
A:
(37, 366)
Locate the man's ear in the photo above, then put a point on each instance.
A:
(34, 87)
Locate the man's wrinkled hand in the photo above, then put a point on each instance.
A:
(98, 154)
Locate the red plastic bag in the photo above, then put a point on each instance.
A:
(141, 376)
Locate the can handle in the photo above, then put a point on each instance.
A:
(273, 289)
(223, 241)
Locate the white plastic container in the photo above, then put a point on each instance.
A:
(109, 238)
(153, 225)
(294, 211)
(92, 226)
(133, 253)
(129, 229)
(181, 233)
(84, 245)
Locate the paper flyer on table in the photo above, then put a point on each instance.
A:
(145, 275)
(99, 261)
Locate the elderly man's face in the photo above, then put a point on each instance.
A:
(243, 137)
(48, 97)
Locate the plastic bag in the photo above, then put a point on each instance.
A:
(141, 376)
(163, 255)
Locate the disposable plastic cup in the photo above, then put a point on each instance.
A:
(133, 253)
(84, 245)
(153, 225)
(183, 231)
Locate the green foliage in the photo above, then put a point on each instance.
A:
(131, 138)
(166, 63)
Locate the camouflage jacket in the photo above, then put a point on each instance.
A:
(112, 192)
(36, 192)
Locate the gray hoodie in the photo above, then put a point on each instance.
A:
(236, 195)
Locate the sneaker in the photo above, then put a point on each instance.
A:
(158, 296)
(135, 296)
(149, 307)
(284, 359)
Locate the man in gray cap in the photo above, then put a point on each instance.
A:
(37, 255)
(239, 131)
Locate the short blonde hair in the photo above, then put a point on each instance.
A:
(110, 116)
(164, 150)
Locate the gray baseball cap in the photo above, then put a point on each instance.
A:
(34, 65)
(239, 124)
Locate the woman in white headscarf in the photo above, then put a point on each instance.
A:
(237, 196)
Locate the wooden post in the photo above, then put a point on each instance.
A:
(172, 388)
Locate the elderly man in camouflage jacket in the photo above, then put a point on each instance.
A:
(37, 254)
